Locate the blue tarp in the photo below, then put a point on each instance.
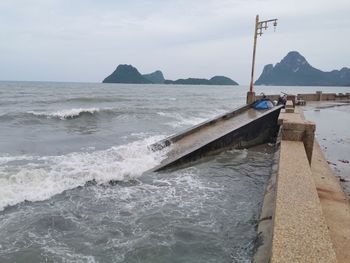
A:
(262, 104)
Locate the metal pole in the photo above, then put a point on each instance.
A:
(254, 50)
(259, 26)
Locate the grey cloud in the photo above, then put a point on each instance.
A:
(84, 40)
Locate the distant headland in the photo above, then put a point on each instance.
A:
(294, 70)
(129, 74)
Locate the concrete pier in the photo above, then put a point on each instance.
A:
(300, 232)
(296, 128)
(318, 96)
(307, 213)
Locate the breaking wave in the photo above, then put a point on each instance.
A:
(66, 114)
(39, 178)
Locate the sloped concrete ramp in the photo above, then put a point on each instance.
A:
(241, 128)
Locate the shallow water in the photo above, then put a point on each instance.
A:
(332, 132)
(56, 137)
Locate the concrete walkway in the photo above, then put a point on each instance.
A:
(300, 232)
(311, 221)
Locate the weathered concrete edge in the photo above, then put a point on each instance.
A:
(171, 139)
(208, 147)
(300, 232)
(263, 246)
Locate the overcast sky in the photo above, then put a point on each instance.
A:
(84, 40)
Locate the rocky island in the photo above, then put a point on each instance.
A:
(126, 74)
(155, 77)
(216, 80)
(129, 74)
(294, 70)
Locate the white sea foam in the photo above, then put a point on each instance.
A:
(180, 120)
(42, 177)
(65, 114)
(8, 158)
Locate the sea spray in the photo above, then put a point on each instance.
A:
(39, 178)
(180, 120)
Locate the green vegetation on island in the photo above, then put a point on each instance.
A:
(217, 80)
(129, 74)
(155, 77)
(126, 74)
(294, 70)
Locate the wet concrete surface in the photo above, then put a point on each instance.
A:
(335, 206)
(209, 133)
(333, 134)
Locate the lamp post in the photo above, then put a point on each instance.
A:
(259, 26)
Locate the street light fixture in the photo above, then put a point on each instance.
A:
(259, 26)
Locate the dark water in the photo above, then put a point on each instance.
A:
(55, 137)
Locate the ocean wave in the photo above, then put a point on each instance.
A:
(95, 99)
(181, 120)
(66, 114)
(74, 113)
(40, 178)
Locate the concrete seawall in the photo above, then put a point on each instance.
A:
(318, 96)
(305, 215)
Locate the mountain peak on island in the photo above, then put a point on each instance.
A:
(294, 59)
(294, 56)
(155, 77)
(126, 74)
(129, 74)
(294, 70)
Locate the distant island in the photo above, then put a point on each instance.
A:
(129, 74)
(294, 70)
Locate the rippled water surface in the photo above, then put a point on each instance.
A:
(60, 145)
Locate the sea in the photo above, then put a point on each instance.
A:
(62, 143)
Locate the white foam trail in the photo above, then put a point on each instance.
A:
(43, 177)
(181, 120)
(65, 114)
(8, 158)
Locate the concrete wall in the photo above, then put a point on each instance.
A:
(318, 96)
(305, 215)
(300, 232)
